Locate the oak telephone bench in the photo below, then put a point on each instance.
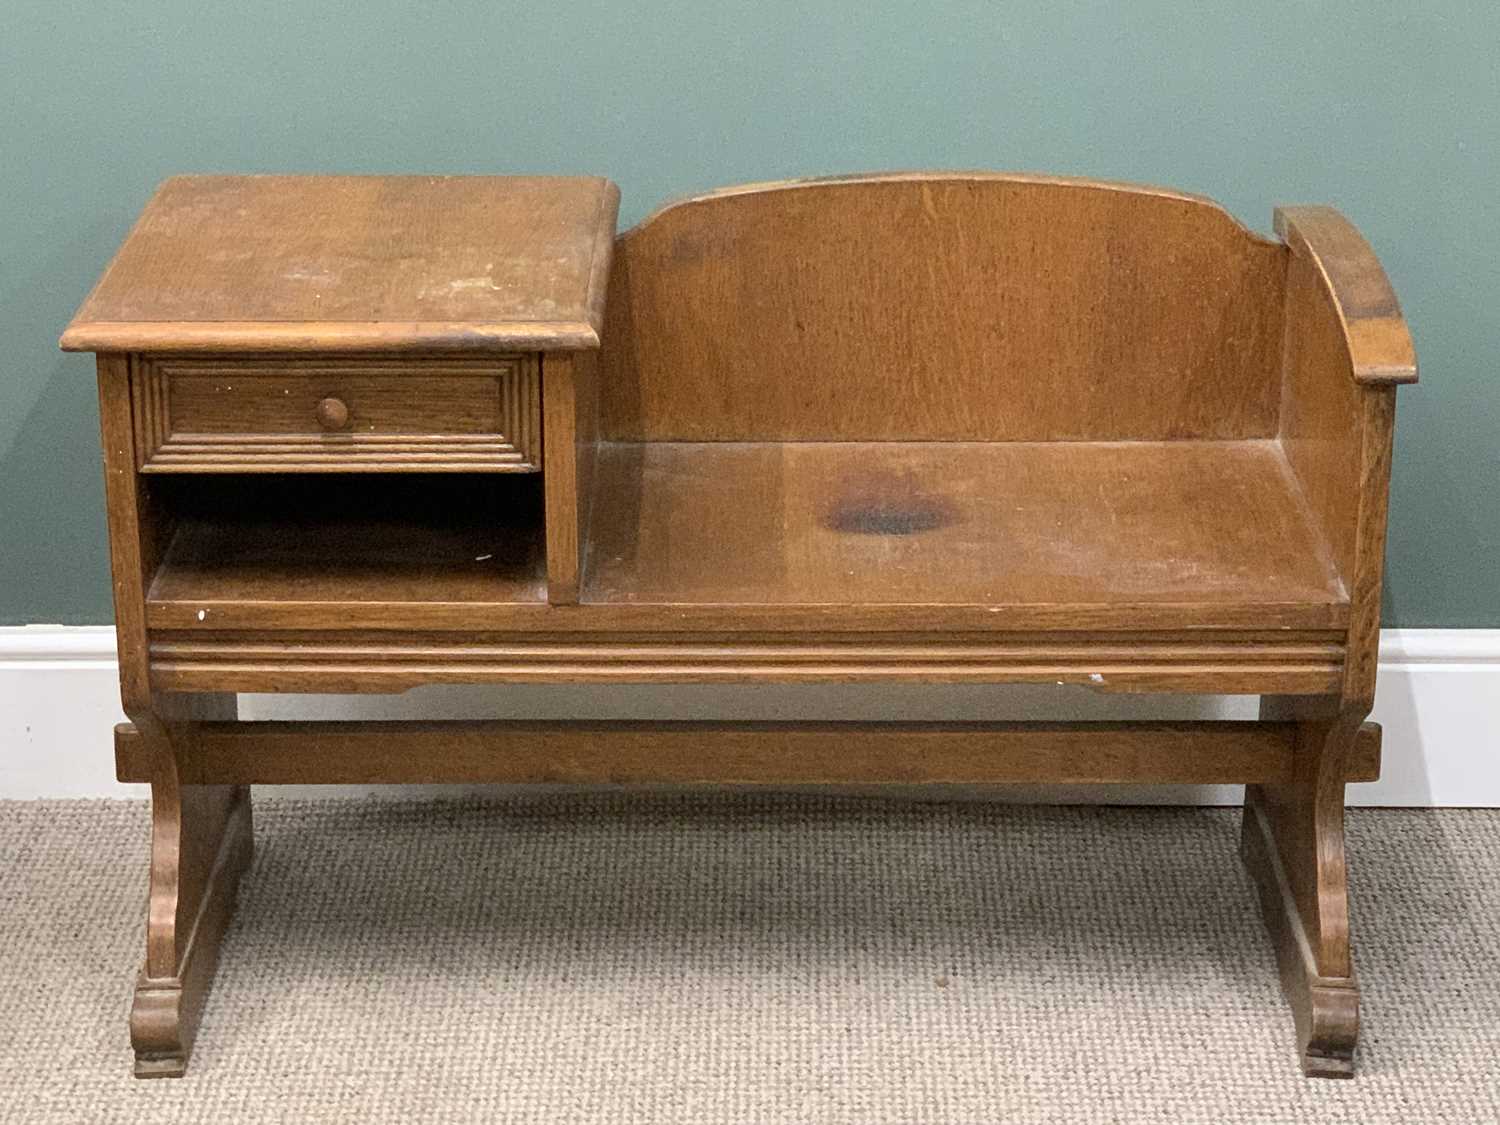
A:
(365, 433)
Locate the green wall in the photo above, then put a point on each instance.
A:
(1390, 110)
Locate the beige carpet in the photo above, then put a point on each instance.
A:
(746, 958)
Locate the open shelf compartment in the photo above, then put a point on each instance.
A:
(350, 541)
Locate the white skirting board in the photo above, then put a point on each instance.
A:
(1438, 699)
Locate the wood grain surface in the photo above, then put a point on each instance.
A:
(942, 307)
(571, 420)
(232, 415)
(702, 753)
(339, 660)
(1003, 523)
(1376, 337)
(341, 263)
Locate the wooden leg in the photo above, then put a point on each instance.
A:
(201, 842)
(1293, 845)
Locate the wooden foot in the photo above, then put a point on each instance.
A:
(202, 841)
(1293, 845)
(1326, 1009)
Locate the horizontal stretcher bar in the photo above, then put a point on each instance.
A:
(767, 753)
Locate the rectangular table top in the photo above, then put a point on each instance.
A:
(353, 263)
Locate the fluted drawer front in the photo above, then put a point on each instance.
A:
(337, 415)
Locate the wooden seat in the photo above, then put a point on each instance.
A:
(1178, 531)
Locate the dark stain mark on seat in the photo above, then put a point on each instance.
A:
(887, 504)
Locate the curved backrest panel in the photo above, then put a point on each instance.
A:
(945, 308)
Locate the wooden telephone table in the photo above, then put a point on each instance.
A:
(363, 433)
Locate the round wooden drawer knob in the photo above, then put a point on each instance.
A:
(333, 414)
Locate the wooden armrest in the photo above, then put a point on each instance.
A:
(1375, 332)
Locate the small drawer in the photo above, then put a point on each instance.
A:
(334, 415)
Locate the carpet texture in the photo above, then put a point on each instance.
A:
(672, 958)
